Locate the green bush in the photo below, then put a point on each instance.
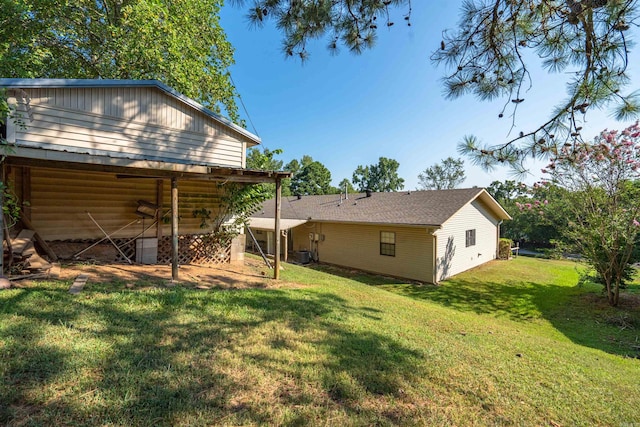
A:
(504, 248)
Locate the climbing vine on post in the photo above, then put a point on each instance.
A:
(238, 202)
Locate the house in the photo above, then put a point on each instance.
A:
(420, 235)
(131, 162)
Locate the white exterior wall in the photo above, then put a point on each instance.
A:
(452, 255)
(127, 123)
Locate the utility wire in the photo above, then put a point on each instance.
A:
(242, 103)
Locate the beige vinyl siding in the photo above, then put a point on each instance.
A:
(60, 200)
(132, 123)
(453, 256)
(192, 195)
(358, 246)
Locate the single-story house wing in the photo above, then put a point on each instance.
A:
(426, 236)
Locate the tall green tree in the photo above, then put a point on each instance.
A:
(362, 178)
(603, 199)
(345, 185)
(293, 166)
(178, 42)
(490, 54)
(312, 178)
(447, 174)
(539, 213)
(506, 191)
(264, 159)
(380, 177)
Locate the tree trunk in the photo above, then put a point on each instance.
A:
(610, 293)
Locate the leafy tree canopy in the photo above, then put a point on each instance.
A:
(346, 184)
(507, 190)
(445, 175)
(379, 177)
(490, 54)
(310, 177)
(264, 159)
(603, 200)
(349, 23)
(178, 42)
(494, 48)
(539, 213)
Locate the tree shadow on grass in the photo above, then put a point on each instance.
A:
(580, 313)
(357, 275)
(161, 357)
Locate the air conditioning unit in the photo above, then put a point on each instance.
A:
(303, 257)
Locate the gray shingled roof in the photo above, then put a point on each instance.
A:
(423, 208)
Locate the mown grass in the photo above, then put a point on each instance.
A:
(511, 343)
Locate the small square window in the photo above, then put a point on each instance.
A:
(387, 243)
(470, 238)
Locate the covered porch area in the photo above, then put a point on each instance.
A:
(82, 199)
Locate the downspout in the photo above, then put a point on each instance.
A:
(435, 259)
(319, 229)
(498, 240)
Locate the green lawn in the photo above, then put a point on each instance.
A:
(511, 343)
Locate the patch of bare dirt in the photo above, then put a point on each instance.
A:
(627, 301)
(252, 274)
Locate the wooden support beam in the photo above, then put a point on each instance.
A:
(126, 169)
(19, 244)
(52, 255)
(276, 258)
(174, 228)
(255, 242)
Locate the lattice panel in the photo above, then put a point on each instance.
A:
(128, 247)
(203, 249)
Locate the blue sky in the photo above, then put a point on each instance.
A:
(347, 110)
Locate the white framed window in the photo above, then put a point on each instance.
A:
(387, 243)
(470, 238)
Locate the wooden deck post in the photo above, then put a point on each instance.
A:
(276, 231)
(174, 228)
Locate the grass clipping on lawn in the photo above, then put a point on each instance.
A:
(512, 342)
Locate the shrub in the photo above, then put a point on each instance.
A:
(504, 248)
